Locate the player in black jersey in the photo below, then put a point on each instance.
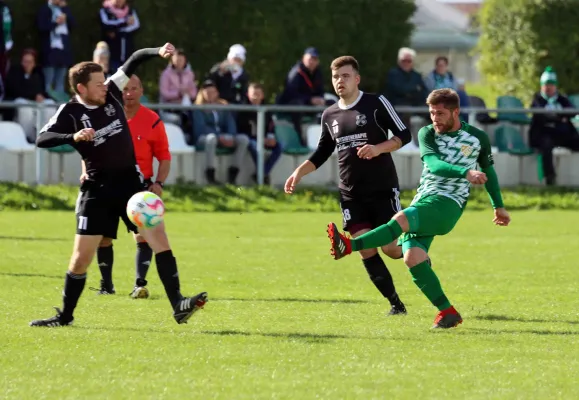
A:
(369, 192)
(94, 123)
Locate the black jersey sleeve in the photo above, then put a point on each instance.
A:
(388, 119)
(326, 146)
(59, 130)
(123, 74)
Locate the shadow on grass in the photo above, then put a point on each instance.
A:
(23, 275)
(306, 337)
(484, 331)
(293, 300)
(497, 317)
(49, 201)
(34, 239)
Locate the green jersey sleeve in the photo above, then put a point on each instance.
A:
(426, 141)
(485, 157)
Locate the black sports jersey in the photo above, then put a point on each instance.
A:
(112, 148)
(365, 121)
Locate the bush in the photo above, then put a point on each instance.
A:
(188, 198)
(521, 37)
(275, 33)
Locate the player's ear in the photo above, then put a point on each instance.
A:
(80, 88)
(358, 79)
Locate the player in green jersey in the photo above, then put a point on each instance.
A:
(450, 151)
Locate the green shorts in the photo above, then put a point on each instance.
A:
(430, 216)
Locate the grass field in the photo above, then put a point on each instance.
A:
(285, 321)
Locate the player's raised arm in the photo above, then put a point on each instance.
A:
(123, 74)
(326, 147)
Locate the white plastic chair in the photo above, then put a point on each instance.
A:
(177, 144)
(13, 139)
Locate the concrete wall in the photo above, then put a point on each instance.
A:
(512, 170)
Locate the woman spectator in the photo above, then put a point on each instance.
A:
(101, 55)
(216, 128)
(177, 85)
(119, 22)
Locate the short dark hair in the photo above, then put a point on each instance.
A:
(256, 85)
(441, 58)
(208, 83)
(344, 61)
(447, 97)
(80, 73)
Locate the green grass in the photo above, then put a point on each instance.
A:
(285, 321)
(188, 198)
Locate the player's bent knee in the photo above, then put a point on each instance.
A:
(415, 256)
(106, 242)
(392, 250)
(156, 238)
(402, 220)
(365, 254)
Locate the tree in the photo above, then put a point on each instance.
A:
(275, 33)
(519, 38)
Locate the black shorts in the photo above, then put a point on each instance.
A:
(369, 212)
(100, 205)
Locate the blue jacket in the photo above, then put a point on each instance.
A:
(301, 85)
(204, 123)
(54, 57)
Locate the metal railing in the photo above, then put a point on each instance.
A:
(263, 109)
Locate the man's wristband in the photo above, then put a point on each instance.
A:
(160, 183)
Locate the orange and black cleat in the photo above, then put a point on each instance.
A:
(341, 245)
(446, 319)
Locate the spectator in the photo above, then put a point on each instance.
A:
(177, 85)
(230, 77)
(25, 84)
(247, 125)
(304, 85)
(405, 87)
(440, 77)
(101, 55)
(6, 42)
(551, 130)
(464, 99)
(216, 128)
(119, 22)
(55, 22)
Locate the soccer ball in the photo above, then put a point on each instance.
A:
(145, 210)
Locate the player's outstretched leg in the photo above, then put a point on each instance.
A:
(425, 278)
(341, 246)
(143, 260)
(105, 260)
(75, 280)
(183, 307)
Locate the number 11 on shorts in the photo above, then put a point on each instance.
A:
(82, 223)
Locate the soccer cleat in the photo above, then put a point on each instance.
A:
(341, 245)
(446, 319)
(53, 322)
(398, 309)
(140, 292)
(104, 289)
(189, 305)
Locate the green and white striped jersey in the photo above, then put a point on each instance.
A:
(466, 147)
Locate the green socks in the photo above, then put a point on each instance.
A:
(378, 237)
(427, 281)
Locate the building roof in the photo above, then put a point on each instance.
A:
(439, 25)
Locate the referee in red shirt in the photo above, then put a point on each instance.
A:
(150, 141)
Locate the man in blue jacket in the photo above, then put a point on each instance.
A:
(304, 85)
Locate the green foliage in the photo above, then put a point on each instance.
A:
(521, 37)
(275, 33)
(188, 198)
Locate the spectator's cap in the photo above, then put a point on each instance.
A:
(549, 76)
(312, 51)
(208, 83)
(237, 51)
